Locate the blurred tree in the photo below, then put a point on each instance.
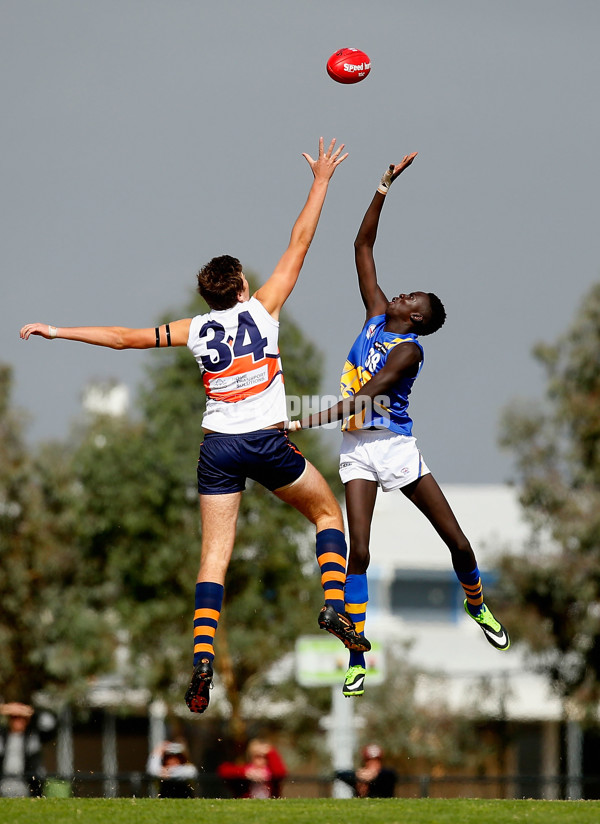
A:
(556, 586)
(419, 724)
(409, 715)
(51, 635)
(138, 532)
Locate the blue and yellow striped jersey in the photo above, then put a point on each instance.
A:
(368, 356)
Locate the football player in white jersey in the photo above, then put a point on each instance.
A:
(235, 345)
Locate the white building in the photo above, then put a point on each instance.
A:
(414, 597)
(411, 578)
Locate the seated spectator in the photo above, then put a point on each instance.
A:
(21, 770)
(260, 777)
(372, 779)
(170, 762)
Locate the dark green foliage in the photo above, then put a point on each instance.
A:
(52, 630)
(429, 735)
(104, 551)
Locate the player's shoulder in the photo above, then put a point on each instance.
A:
(373, 325)
(256, 306)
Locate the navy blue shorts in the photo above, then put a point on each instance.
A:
(267, 456)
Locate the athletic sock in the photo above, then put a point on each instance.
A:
(331, 556)
(208, 600)
(471, 584)
(356, 593)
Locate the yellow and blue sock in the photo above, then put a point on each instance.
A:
(356, 594)
(331, 557)
(471, 584)
(208, 602)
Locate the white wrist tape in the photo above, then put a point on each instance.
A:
(52, 330)
(386, 181)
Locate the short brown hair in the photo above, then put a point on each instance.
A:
(220, 282)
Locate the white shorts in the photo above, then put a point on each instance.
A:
(379, 455)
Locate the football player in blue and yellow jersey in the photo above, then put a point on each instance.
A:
(378, 448)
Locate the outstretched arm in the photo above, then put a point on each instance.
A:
(114, 337)
(373, 297)
(274, 293)
(403, 361)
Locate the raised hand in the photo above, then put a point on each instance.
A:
(328, 161)
(392, 172)
(406, 161)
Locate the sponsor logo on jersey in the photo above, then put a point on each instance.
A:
(237, 383)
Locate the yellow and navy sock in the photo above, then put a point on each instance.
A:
(356, 594)
(208, 602)
(471, 583)
(331, 556)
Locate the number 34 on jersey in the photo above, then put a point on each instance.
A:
(237, 358)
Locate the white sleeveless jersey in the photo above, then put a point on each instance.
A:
(237, 351)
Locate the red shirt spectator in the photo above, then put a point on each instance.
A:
(260, 777)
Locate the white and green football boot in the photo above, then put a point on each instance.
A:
(354, 682)
(493, 630)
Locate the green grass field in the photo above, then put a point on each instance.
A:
(295, 811)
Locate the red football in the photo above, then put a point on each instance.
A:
(348, 66)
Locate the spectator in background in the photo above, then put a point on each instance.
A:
(372, 780)
(260, 777)
(21, 769)
(170, 762)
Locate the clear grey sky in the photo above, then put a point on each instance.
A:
(142, 137)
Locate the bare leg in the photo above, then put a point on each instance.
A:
(361, 495)
(427, 496)
(312, 496)
(219, 520)
(360, 502)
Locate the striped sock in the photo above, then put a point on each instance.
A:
(331, 556)
(471, 583)
(208, 600)
(356, 593)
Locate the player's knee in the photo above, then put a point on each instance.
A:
(359, 566)
(360, 557)
(461, 546)
(329, 506)
(330, 517)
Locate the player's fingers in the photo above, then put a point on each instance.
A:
(331, 147)
(339, 150)
(308, 158)
(341, 159)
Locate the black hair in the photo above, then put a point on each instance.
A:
(438, 316)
